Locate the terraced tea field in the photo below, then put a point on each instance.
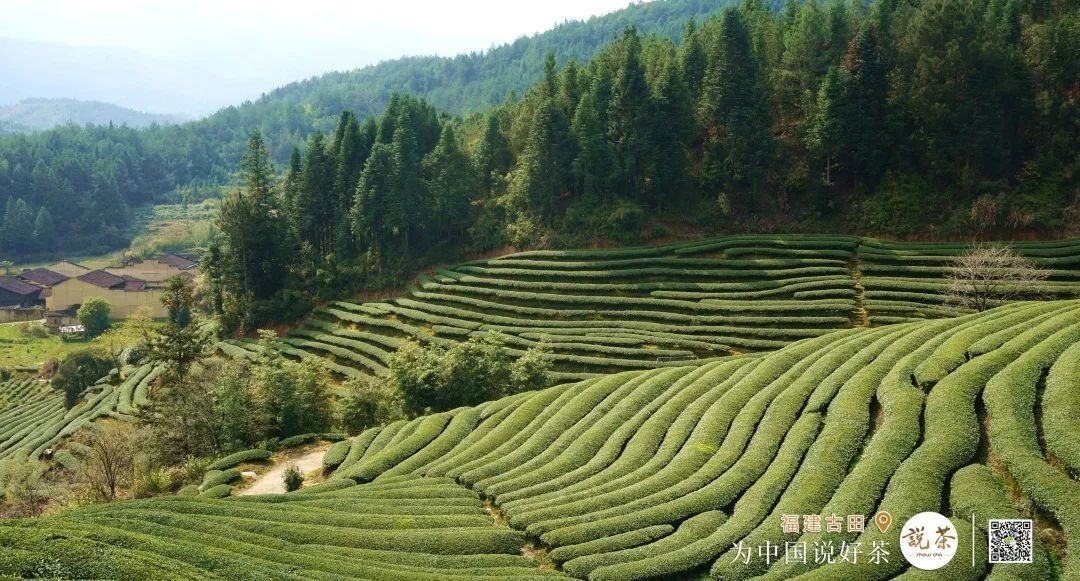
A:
(33, 418)
(657, 474)
(605, 311)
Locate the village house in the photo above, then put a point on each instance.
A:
(17, 293)
(125, 294)
(134, 285)
(156, 270)
(19, 300)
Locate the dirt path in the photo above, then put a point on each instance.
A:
(271, 482)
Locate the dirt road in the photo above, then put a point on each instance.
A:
(272, 481)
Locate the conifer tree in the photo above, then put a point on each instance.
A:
(543, 175)
(492, 156)
(593, 164)
(736, 116)
(451, 181)
(671, 124)
(865, 123)
(628, 118)
(692, 60)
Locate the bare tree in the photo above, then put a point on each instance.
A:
(110, 460)
(992, 273)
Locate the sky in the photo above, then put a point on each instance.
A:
(273, 42)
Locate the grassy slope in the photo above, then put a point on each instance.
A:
(19, 350)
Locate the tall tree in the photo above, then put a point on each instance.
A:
(827, 128)
(628, 119)
(452, 182)
(256, 255)
(866, 121)
(736, 116)
(692, 60)
(543, 178)
(671, 123)
(592, 166)
(492, 156)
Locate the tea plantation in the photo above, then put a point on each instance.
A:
(659, 473)
(605, 311)
(33, 418)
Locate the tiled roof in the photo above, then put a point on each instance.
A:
(133, 284)
(177, 261)
(16, 286)
(43, 276)
(103, 279)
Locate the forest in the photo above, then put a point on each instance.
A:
(902, 118)
(898, 118)
(68, 171)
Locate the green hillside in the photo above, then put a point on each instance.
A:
(654, 474)
(604, 311)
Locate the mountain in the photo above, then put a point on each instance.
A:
(40, 114)
(111, 75)
(458, 85)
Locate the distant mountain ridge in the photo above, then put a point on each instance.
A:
(41, 114)
(111, 75)
(461, 84)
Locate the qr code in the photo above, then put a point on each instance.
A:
(1010, 541)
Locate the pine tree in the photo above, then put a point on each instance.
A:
(865, 125)
(550, 84)
(543, 176)
(409, 206)
(290, 192)
(628, 121)
(318, 202)
(451, 180)
(19, 225)
(827, 129)
(44, 229)
(671, 124)
(492, 156)
(593, 165)
(736, 116)
(257, 255)
(570, 88)
(692, 60)
(370, 204)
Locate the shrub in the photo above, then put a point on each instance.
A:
(293, 478)
(152, 483)
(94, 315)
(336, 455)
(215, 477)
(369, 402)
(467, 373)
(79, 371)
(253, 455)
(219, 491)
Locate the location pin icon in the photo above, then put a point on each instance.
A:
(883, 520)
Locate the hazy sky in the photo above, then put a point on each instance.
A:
(279, 41)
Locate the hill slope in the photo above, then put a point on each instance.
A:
(603, 311)
(39, 114)
(654, 474)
